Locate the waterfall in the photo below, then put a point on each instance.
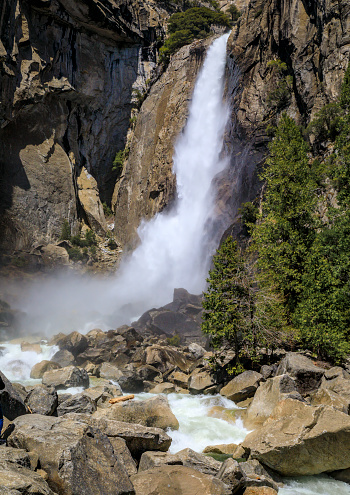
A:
(175, 249)
(176, 245)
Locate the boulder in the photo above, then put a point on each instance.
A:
(338, 385)
(40, 368)
(110, 372)
(268, 371)
(42, 400)
(323, 396)
(197, 350)
(177, 480)
(199, 381)
(30, 347)
(67, 451)
(154, 412)
(123, 455)
(78, 403)
(186, 457)
(164, 358)
(53, 255)
(342, 475)
(63, 378)
(242, 386)
(17, 457)
(16, 479)
(240, 476)
(75, 343)
(260, 490)
(178, 378)
(163, 388)
(306, 373)
(102, 394)
(64, 358)
(11, 402)
(267, 397)
(299, 439)
(226, 448)
(139, 439)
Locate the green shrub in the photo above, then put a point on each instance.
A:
(65, 231)
(235, 13)
(186, 26)
(279, 98)
(174, 340)
(75, 254)
(90, 238)
(326, 124)
(106, 210)
(119, 160)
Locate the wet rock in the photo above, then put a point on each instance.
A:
(226, 448)
(64, 358)
(306, 373)
(177, 480)
(240, 476)
(178, 378)
(110, 372)
(201, 380)
(75, 343)
(186, 457)
(139, 439)
(267, 397)
(29, 347)
(163, 388)
(78, 403)
(40, 368)
(299, 439)
(153, 412)
(66, 377)
(42, 400)
(102, 394)
(242, 386)
(68, 450)
(11, 402)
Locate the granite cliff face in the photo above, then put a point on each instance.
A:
(68, 71)
(311, 37)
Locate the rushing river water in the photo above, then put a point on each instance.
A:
(200, 418)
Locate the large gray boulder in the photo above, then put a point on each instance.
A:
(11, 402)
(306, 373)
(242, 386)
(267, 396)
(63, 378)
(299, 439)
(186, 457)
(243, 475)
(64, 358)
(42, 400)
(139, 439)
(154, 412)
(68, 451)
(75, 343)
(40, 368)
(123, 454)
(177, 480)
(200, 381)
(78, 403)
(16, 480)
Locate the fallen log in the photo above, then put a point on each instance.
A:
(121, 399)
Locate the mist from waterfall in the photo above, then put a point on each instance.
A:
(176, 245)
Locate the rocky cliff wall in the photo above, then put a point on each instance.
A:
(311, 37)
(68, 69)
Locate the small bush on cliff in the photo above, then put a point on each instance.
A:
(282, 83)
(184, 27)
(65, 231)
(234, 12)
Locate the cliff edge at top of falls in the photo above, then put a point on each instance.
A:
(69, 69)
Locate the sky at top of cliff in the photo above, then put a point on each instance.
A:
(176, 245)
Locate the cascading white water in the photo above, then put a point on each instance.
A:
(174, 248)
(176, 245)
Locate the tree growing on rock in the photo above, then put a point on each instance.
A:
(237, 310)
